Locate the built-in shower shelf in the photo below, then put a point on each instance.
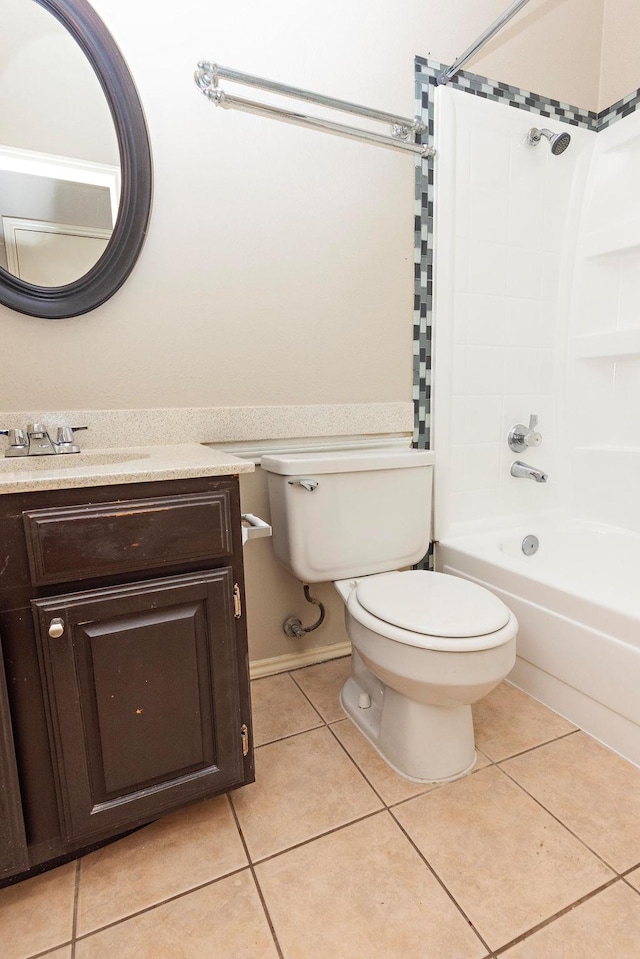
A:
(612, 239)
(616, 343)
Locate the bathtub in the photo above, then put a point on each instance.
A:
(577, 600)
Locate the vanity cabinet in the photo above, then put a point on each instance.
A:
(13, 843)
(122, 620)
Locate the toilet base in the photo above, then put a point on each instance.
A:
(421, 742)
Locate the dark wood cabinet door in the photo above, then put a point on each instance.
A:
(13, 845)
(143, 698)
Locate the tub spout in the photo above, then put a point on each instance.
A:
(529, 472)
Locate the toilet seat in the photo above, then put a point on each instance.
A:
(431, 610)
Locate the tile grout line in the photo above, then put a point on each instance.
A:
(389, 810)
(618, 876)
(320, 835)
(299, 732)
(377, 812)
(557, 915)
(352, 760)
(306, 696)
(289, 673)
(257, 885)
(48, 951)
(532, 749)
(626, 881)
(441, 882)
(559, 821)
(156, 905)
(76, 897)
(71, 940)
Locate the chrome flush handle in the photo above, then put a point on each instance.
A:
(307, 484)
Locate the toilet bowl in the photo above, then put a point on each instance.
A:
(425, 647)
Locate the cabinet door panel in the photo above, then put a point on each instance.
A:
(162, 714)
(143, 695)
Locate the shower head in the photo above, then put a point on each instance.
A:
(559, 141)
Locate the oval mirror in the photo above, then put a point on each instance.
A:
(75, 162)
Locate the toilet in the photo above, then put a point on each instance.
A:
(425, 645)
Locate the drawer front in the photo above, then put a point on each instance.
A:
(105, 539)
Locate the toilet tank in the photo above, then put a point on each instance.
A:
(369, 512)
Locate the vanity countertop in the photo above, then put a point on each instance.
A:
(108, 467)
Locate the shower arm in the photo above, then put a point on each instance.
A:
(490, 32)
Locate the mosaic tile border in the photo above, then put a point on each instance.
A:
(512, 96)
(619, 110)
(423, 271)
(427, 72)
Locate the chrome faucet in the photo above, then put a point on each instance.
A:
(39, 440)
(529, 472)
(36, 441)
(521, 436)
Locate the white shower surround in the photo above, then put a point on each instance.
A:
(537, 310)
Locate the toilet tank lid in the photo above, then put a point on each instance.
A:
(346, 461)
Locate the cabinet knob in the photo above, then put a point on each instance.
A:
(56, 628)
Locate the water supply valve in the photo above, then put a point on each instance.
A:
(520, 437)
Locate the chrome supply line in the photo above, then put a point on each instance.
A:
(403, 131)
(497, 25)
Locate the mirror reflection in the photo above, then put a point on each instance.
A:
(59, 160)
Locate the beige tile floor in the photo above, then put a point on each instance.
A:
(330, 855)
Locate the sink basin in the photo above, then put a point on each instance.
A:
(116, 465)
(66, 461)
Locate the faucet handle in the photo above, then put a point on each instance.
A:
(17, 441)
(521, 436)
(533, 438)
(64, 439)
(65, 433)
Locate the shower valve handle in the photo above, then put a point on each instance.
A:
(521, 437)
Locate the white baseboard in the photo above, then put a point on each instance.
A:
(306, 657)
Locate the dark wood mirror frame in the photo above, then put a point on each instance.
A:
(129, 232)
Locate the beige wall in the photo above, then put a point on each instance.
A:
(279, 263)
(550, 47)
(274, 594)
(620, 72)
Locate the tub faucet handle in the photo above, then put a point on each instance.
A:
(522, 436)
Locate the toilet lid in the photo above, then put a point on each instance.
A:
(433, 604)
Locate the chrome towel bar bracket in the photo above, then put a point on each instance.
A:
(403, 131)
